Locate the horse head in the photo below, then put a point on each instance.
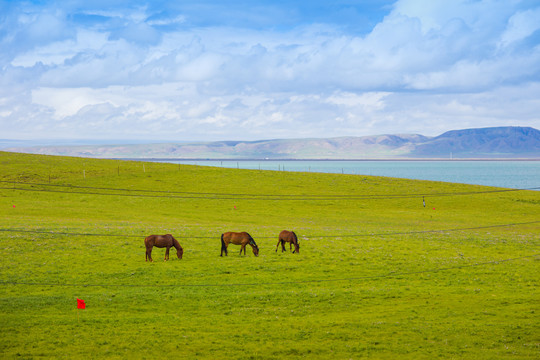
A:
(254, 246)
(178, 247)
(296, 243)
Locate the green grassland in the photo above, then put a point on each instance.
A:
(378, 275)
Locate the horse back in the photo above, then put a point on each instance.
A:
(236, 238)
(159, 240)
(288, 236)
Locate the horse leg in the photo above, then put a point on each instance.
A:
(167, 254)
(149, 254)
(243, 247)
(282, 245)
(277, 245)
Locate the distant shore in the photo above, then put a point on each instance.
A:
(290, 159)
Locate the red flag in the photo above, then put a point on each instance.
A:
(81, 304)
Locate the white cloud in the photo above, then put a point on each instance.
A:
(521, 25)
(369, 102)
(426, 67)
(65, 102)
(162, 21)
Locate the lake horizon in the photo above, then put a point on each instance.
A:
(505, 173)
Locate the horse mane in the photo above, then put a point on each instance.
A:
(176, 244)
(252, 241)
(295, 237)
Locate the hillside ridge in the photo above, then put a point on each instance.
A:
(495, 142)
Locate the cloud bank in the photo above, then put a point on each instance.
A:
(230, 70)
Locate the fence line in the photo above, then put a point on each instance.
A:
(234, 196)
(61, 233)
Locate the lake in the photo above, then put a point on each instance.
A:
(503, 173)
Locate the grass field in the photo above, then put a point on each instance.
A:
(378, 275)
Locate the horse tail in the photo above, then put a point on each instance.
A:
(148, 247)
(223, 247)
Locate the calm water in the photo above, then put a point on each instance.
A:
(508, 174)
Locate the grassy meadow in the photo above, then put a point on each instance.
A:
(378, 274)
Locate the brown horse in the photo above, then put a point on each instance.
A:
(290, 237)
(241, 238)
(162, 241)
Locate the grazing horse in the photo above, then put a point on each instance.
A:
(241, 238)
(162, 241)
(290, 237)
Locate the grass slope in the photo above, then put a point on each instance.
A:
(373, 279)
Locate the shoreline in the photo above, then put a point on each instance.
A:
(319, 159)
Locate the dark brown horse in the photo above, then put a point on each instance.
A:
(290, 237)
(241, 238)
(162, 241)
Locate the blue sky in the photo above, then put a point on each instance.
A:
(249, 70)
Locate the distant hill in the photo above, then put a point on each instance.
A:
(497, 142)
(484, 143)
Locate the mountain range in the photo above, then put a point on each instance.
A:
(483, 143)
